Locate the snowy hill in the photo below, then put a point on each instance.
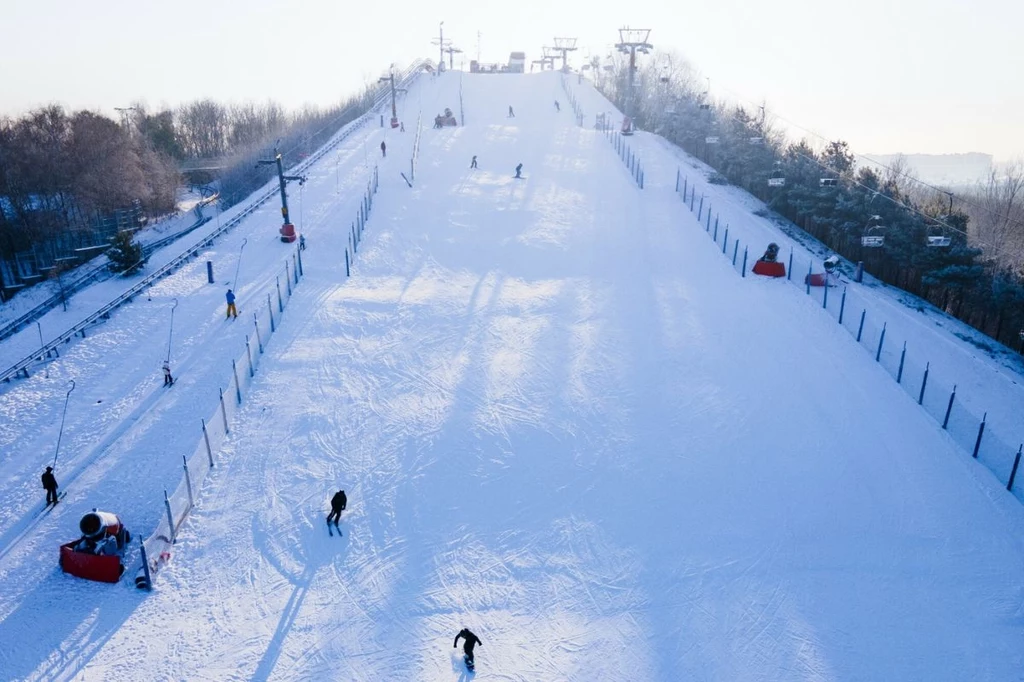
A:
(561, 419)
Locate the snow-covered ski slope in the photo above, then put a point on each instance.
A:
(561, 421)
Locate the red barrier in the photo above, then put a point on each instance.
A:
(768, 269)
(816, 279)
(104, 569)
(287, 233)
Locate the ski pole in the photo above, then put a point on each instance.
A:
(61, 432)
(171, 332)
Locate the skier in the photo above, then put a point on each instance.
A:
(338, 504)
(472, 164)
(557, 106)
(50, 484)
(511, 114)
(467, 647)
(383, 149)
(401, 127)
(519, 171)
(302, 242)
(230, 296)
(168, 379)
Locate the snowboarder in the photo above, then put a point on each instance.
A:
(401, 127)
(338, 504)
(511, 114)
(467, 646)
(519, 171)
(558, 107)
(383, 149)
(50, 484)
(472, 164)
(302, 242)
(230, 296)
(168, 379)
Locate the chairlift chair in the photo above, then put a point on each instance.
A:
(872, 237)
(937, 236)
(711, 139)
(756, 140)
(777, 178)
(828, 182)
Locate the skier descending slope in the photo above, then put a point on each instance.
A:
(467, 647)
(338, 504)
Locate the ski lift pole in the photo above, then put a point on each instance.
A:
(170, 333)
(238, 267)
(65, 414)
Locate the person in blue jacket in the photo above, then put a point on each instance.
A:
(232, 311)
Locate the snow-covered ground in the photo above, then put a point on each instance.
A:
(562, 421)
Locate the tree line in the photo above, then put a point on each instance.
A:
(61, 171)
(962, 252)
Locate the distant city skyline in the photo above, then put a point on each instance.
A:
(931, 78)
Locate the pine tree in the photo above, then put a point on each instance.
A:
(125, 254)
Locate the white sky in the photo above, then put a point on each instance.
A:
(886, 75)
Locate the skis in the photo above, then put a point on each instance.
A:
(469, 664)
(49, 507)
(331, 532)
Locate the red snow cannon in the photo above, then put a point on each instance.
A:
(394, 121)
(287, 233)
(769, 269)
(97, 554)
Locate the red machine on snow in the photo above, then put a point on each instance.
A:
(98, 553)
(447, 120)
(768, 264)
(627, 126)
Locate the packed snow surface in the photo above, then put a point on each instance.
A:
(561, 418)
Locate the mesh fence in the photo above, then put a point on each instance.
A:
(995, 445)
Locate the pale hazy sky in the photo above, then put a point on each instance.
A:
(933, 76)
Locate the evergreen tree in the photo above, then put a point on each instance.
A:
(125, 254)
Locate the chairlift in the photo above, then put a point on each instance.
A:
(756, 140)
(711, 139)
(777, 178)
(937, 236)
(872, 237)
(828, 182)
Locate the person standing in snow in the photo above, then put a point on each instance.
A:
(168, 379)
(519, 170)
(338, 504)
(302, 242)
(511, 114)
(383, 149)
(472, 164)
(467, 646)
(557, 106)
(50, 484)
(230, 296)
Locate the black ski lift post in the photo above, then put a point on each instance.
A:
(872, 237)
(777, 178)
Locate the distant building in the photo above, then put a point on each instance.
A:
(517, 62)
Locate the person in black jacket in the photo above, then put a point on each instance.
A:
(50, 483)
(467, 647)
(383, 149)
(519, 171)
(338, 504)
